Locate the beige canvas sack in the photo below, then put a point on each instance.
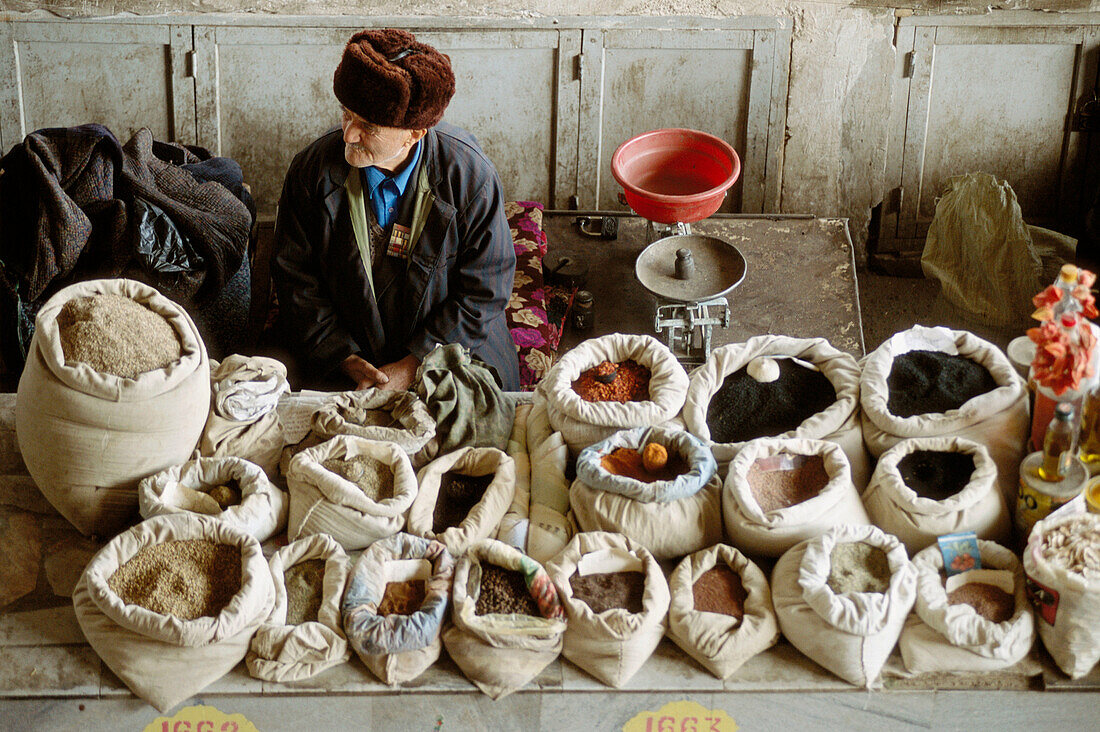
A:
(376, 414)
(243, 419)
(514, 526)
(550, 528)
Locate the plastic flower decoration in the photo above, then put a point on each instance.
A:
(1064, 345)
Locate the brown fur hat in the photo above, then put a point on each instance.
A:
(388, 78)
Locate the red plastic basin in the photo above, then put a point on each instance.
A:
(675, 175)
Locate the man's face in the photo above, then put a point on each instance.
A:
(369, 144)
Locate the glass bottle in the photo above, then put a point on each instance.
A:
(1090, 427)
(1058, 445)
(1067, 280)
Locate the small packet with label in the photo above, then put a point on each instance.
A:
(960, 552)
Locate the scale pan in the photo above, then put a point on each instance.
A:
(719, 267)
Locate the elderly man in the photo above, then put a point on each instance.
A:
(391, 235)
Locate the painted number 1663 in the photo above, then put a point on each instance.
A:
(205, 725)
(682, 724)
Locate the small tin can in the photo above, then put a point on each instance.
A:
(1092, 495)
(1039, 498)
(583, 316)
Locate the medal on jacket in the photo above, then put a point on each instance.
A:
(400, 240)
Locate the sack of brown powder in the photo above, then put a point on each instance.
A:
(376, 414)
(243, 420)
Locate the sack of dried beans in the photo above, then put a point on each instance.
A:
(508, 622)
(926, 487)
(654, 485)
(395, 605)
(230, 489)
(171, 604)
(721, 612)
(243, 418)
(779, 492)
(1062, 564)
(549, 528)
(304, 634)
(513, 528)
(777, 386)
(843, 597)
(978, 620)
(936, 382)
(463, 497)
(616, 601)
(611, 383)
(116, 387)
(374, 414)
(355, 490)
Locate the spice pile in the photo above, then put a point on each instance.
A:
(1075, 546)
(367, 417)
(720, 590)
(402, 598)
(373, 476)
(116, 335)
(744, 408)
(504, 591)
(776, 489)
(227, 494)
(630, 463)
(936, 474)
(457, 495)
(609, 590)
(858, 567)
(990, 601)
(188, 579)
(629, 382)
(932, 382)
(305, 584)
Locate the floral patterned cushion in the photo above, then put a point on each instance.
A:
(526, 312)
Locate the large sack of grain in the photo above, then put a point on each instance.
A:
(811, 392)
(721, 612)
(171, 604)
(843, 597)
(514, 526)
(671, 511)
(977, 621)
(926, 487)
(779, 492)
(550, 528)
(375, 414)
(355, 490)
(647, 388)
(508, 622)
(948, 383)
(230, 489)
(395, 605)
(243, 419)
(88, 435)
(304, 634)
(616, 601)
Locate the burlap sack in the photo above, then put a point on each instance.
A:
(281, 652)
(185, 489)
(501, 653)
(514, 526)
(997, 419)
(583, 423)
(549, 529)
(322, 502)
(484, 518)
(896, 509)
(375, 414)
(943, 637)
(162, 658)
(243, 421)
(771, 533)
(87, 437)
(850, 634)
(614, 644)
(838, 423)
(721, 643)
(398, 648)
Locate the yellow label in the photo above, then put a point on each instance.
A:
(1035, 505)
(201, 719)
(682, 716)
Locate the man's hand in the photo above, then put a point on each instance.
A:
(363, 373)
(400, 374)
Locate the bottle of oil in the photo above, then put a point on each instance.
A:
(1058, 444)
(1090, 428)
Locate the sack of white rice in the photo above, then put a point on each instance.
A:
(654, 485)
(777, 386)
(978, 620)
(926, 487)
(355, 490)
(116, 387)
(243, 420)
(171, 604)
(395, 606)
(375, 414)
(304, 635)
(230, 489)
(779, 492)
(616, 601)
(1062, 564)
(936, 382)
(721, 611)
(508, 622)
(513, 528)
(611, 383)
(463, 496)
(550, 528)
(843, 597)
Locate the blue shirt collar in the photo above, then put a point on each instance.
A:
(375, 176)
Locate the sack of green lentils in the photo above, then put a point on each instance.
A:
(513, 528)
(355, 490)
(549, 528)
(611, 383)
(374, 414)
(463, 497)
(926, 487)
(777, 386)
(843, 597)
(508, 622)
(116, 387)
(395, 605)
(670, 502)
(779, 492)
(974, 621)
(243, 421)
(936, 382)
(304, 634)
(616, 603)
(230, 489)
(171, 604)
(721, 612)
